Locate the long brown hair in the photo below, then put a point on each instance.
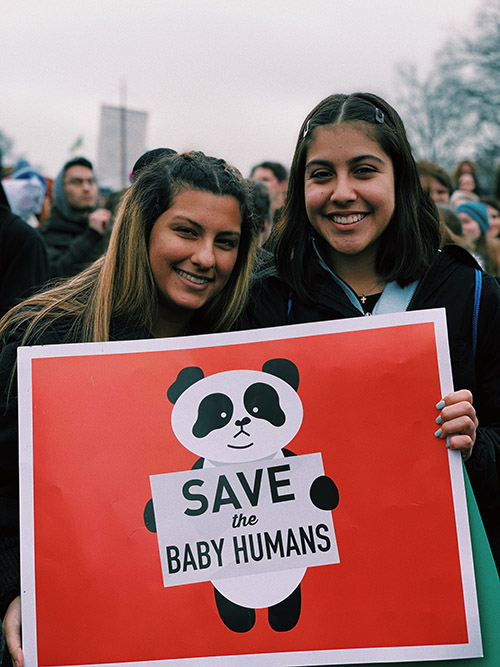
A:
(120, 284)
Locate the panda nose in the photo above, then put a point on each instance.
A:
(242, 422)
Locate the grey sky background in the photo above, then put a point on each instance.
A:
(234, 78)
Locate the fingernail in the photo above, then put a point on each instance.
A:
(438, 420)
(438, 433)
(440, 405)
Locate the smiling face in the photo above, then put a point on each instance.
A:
(349, 190)
(192, 251)
(466, 182)
(471, 231)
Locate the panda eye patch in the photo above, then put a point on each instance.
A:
(262, 401)
(214, 412)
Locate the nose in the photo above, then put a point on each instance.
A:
(343, 190)
(204, 255)
(242, 422)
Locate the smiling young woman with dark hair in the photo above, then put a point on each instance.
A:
(358, 236)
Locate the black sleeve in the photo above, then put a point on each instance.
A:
(483, 467)
(23, 261)
(267, 305)
(79, 251)
(9, 479)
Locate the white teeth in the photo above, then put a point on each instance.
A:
(193, 279)
(347, 219)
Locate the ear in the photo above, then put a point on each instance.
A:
(187, 377)
(284, 369)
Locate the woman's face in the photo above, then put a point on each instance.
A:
(349, 190)
(494, 217)
(193, 249)
(471, 231)
(437, 191)
(466, 182)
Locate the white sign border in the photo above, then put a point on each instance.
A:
(333, 657)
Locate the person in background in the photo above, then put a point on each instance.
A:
(147, 158)
(76, 233)
(262, 210)
(450, 224)
(475, 224)
(23, 258)
(465, 177)
(357, 236)
(26, 190)
(179, 262)
(460, 196)
(493, 233)
(47, 201)
(274, 175)
(493, 206)
(467, 183)
(435, 180)
(496, 181)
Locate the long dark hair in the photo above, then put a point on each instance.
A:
(412, 237)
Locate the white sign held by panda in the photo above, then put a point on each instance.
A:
(249, 518)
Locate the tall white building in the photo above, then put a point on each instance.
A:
(121, 141)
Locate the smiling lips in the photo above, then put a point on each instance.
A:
(347, 219)
(197, 280)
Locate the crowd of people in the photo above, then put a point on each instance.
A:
(355, 227)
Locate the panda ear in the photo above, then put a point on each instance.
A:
(284, 369)
(187, 377)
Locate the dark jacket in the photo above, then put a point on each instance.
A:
(448, 283)
(23, 259)
(60, 332)
(71, 244)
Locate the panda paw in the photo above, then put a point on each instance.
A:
(324, 493)
(149, 516)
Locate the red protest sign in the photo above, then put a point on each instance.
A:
(102, 425)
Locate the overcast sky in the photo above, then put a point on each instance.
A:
(234, 78)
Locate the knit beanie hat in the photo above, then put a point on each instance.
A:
(478, 211)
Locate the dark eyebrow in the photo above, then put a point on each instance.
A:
(183, 218)
(352, 161)
(319, 163)
(368, 156)
(228, 232)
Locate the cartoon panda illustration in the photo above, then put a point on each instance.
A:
(239, 416)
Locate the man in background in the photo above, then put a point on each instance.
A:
(275, 177)
(76, 232)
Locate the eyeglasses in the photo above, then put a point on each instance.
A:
(80, 181)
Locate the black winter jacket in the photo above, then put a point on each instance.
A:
(448, 283)
(23, 260)
(71, 244)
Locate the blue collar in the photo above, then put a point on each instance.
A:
(394, 299)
